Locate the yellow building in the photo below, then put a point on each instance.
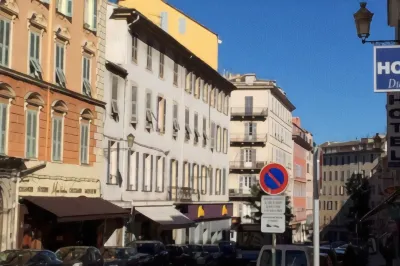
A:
(190, 33)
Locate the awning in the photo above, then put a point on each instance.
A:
(383, 205)
(167, 216)
(68, 209)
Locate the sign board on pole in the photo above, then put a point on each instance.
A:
(273, 204)
(273, 223)
(387, 68)
(393, 129)
(274, 179)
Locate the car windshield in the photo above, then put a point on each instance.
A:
(70, 253)
(119, 253)
(11, 256)
(146, 248)
(211, 248)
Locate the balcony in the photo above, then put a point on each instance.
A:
(238, 140)
(300, 214)
(301, 139)
(180, 194)
(246, 167)
(249, 114)
(239, 193)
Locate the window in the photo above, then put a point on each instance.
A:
(219, 138)
(160, 171)
(86, 87)
(133, 171)
(161, 66)
(4, 42)
(196, 128)
(164, 21)
(57, 138)
(147, 172)
(31, 133)
(59, 68)
(190, 81)
(330, 176)
(175, 123)
(225, 140)
(134, 105)
(205, 137)
(35, 68)
(223, 186)
(84, 143)
(371, 158)
(205, 92)
(176, 73)
(149, 63)
(161, 109)
(174, 178)
(149, 120)
(90, 11)
(188, 132)
(182, 25)
(113, 163)
(266, 258)
(187, 181)
(212, 134)
(3, 127)
(134, 49)
(203, 186)
(342, 176)
(298, 170)
(308, 168)
(217, 181)
(324, 176)
(114, 95)
(196, 180)
(336, 175)
(211, 173)
(65, 7)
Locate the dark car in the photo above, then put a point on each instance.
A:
(201, 256)
(80, 256)
(179, 255)
(29, 257)
(157, 251)
(215, 253)
(124, 256)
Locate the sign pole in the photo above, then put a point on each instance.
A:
(317, 154)
(273, 250)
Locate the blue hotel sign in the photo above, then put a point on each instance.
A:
(387, 68)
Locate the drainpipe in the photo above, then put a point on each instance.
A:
(16, 179)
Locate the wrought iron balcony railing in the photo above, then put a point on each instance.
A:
(246, 165)
(301, 139)
(248, 138)
(249, 111)
(240, 192)
(180, 194)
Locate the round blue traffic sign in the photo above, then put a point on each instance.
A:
(274, 179)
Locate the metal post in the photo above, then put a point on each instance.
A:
(316, 176)
(273, 250)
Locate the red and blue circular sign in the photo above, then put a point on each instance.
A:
(274, 179)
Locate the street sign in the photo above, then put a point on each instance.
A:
(273, 223)
(387, 68)
(273, 204)
(274, 179)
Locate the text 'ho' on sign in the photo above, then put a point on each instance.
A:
(387, 68)
(273, 204)
(274, 179)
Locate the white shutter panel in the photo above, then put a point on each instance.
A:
(69, 8)
(3, 123)
(94, 22)
(134, 105)
(33, 132)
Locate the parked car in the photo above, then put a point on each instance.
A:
(80, 256)
(29, 257)
(228, 249)
(214, 252)
(201, 256)
(179, 255)
(157, 251)
(124, 256)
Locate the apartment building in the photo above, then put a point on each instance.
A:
(302, 195)
(196, 37)
(51, 91)
(340, 161)
(261, 133)
(166, 134)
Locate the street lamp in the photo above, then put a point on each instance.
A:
(130, 140)
(363, 19)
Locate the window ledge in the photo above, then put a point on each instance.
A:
(132, 190)
(112, 184)
(58, 162)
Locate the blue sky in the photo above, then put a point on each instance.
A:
(311, 48)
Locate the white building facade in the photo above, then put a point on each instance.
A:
(176, 108)
(261, 133)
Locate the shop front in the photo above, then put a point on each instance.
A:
(213, 223)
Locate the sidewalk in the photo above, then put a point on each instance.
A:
(378, 260)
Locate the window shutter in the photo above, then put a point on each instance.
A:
(114, 89)
(94, 25)
(3, 121)
(5, 41)
(255, 129)
(253, 156)
(134, 104)
(175, 111)
(164, 21)
(182, 25)
(69, 8)
(223, 181)
(55, 135)
(211, 181)
(59, 5)
(241, 155)
(212, 134)
(165, 113)
(86, 12)
(246, 129)
(34, 127)
(240, 182)
(148, 101)
(254, 180)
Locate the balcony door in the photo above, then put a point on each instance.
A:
(246, 183)
(248, 105)
(248, 157)
(250, 131)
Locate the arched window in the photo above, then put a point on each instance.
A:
(33, 104)
(58, 112)
(7, 94)
(84, 144)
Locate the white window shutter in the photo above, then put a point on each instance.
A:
(164, 21)
(94, 10)
(134, 105)
(69, 8)
(3, 124)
